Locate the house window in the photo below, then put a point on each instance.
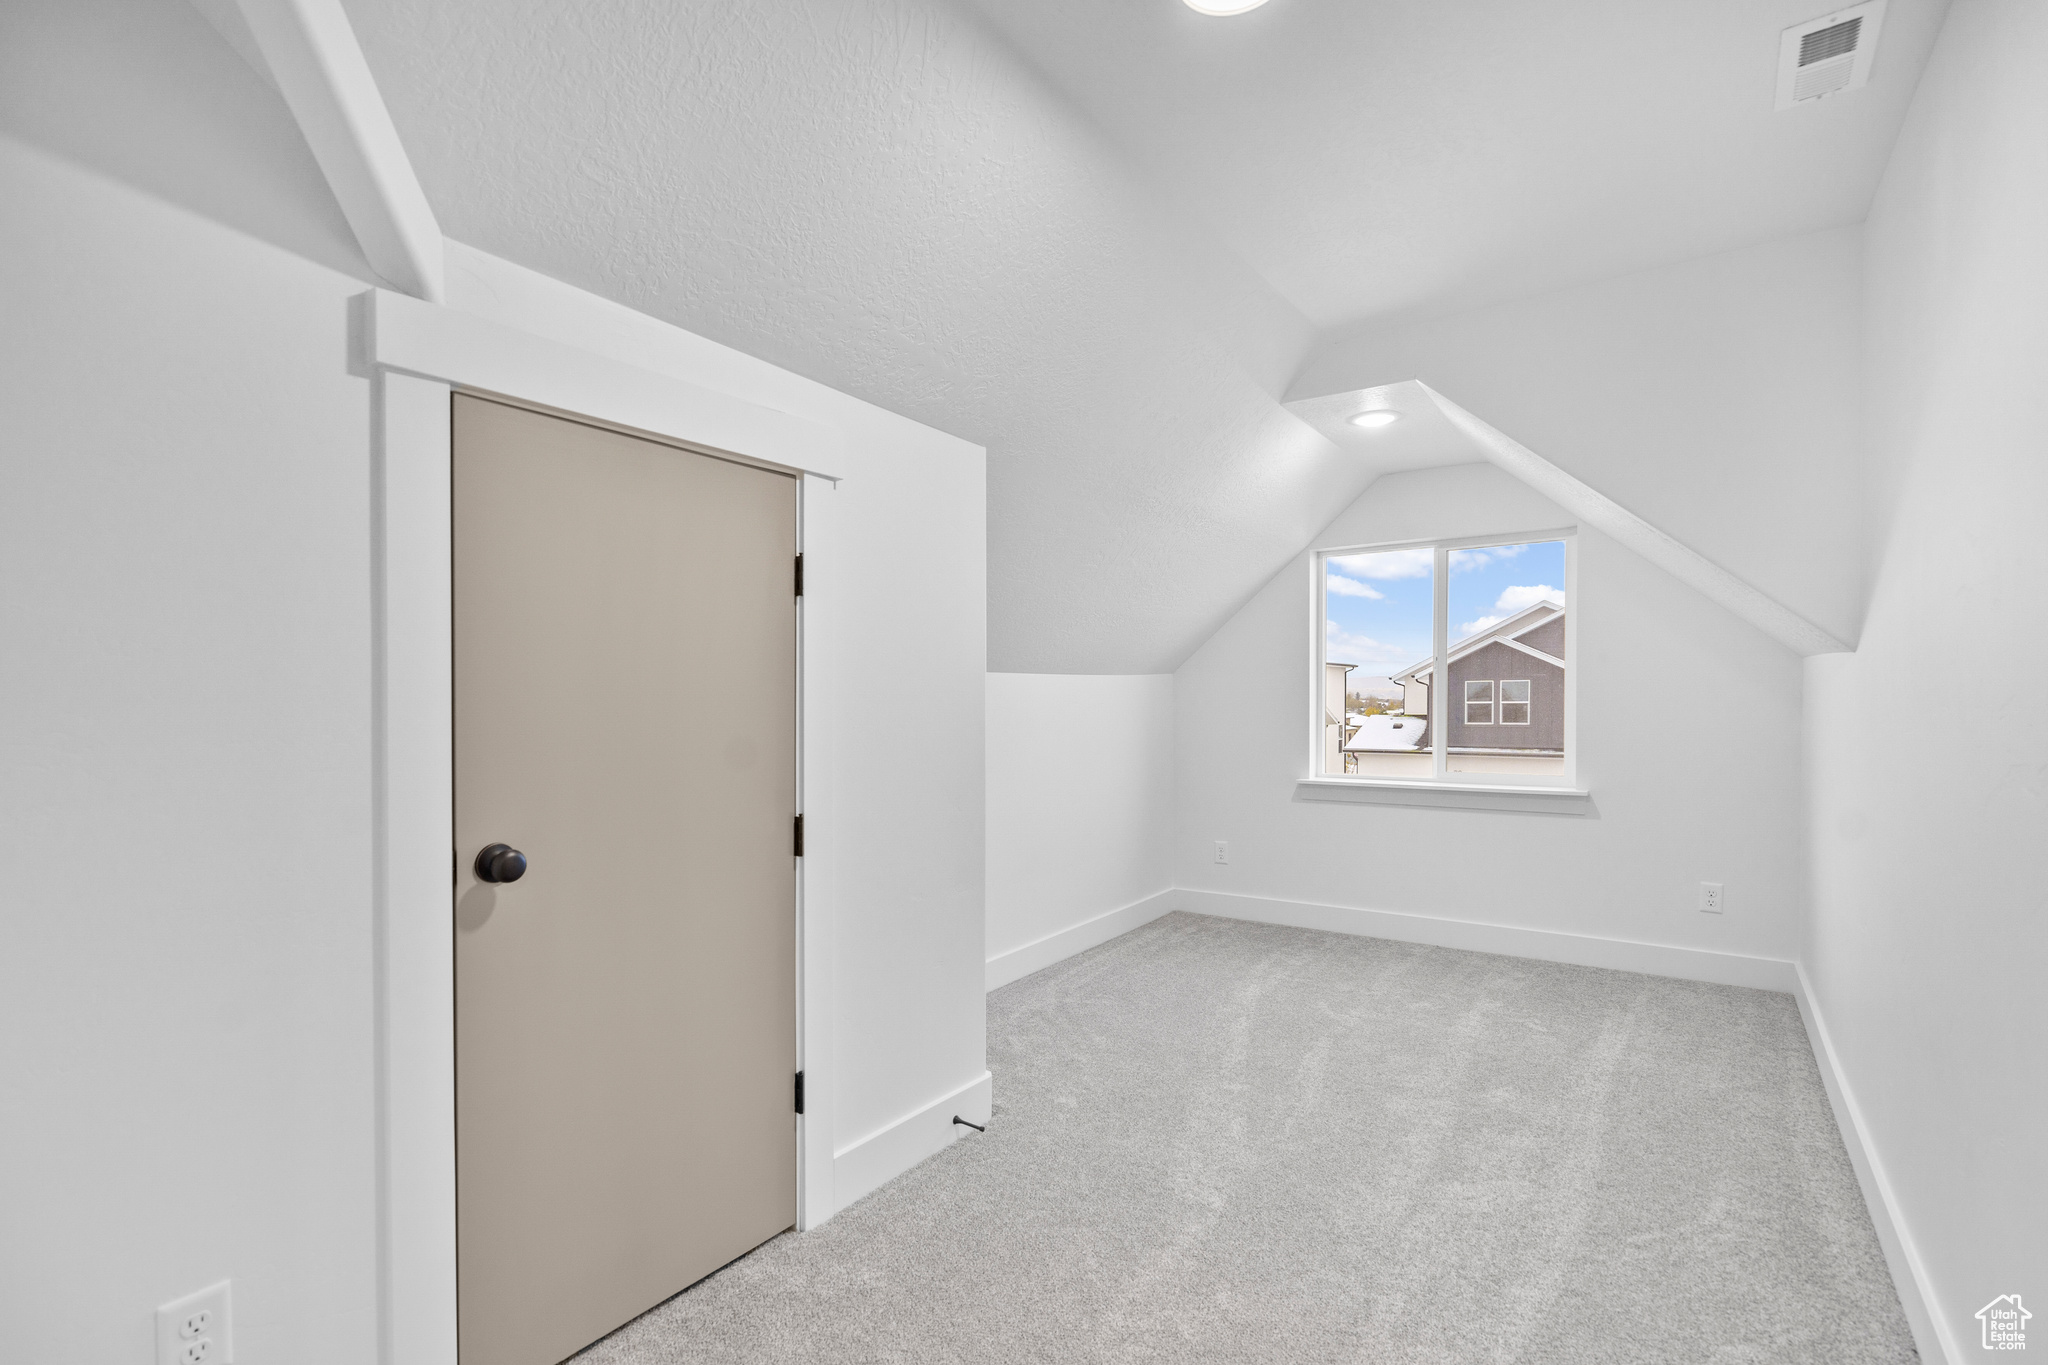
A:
(1482, 625)
(1514, 701)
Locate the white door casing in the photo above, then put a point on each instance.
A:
(416, 354)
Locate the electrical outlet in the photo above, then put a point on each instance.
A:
(1222, 851)
(197, 1329)
(1710, 898)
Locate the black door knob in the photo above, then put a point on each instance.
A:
(500, 863)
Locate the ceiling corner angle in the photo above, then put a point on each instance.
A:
(1681, 561)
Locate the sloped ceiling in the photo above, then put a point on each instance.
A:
(1108, 257)
(1380, 158)
(1718, 399)
(880, 196)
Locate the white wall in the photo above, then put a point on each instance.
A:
(149, 94)
(186, 996)
(1715, 398)
(1930, 841)
(1689, 741)
(912, 601)
(1080, 812)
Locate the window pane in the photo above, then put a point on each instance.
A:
(1514, 701)
(1478, 703)
(1507, 630)
(1377, 646)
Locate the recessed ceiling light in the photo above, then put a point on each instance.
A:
(1376, 417)
(1222, 6)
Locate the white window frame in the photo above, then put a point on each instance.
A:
(1528, 701)
(1558, 793)
(1471, 683)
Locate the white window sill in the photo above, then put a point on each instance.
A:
(1449, 795)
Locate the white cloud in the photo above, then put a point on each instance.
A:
(1462, 560)
(1351, 587)
(1386, 564)
(1517, 598)
(1472, 628)
(1374, 656)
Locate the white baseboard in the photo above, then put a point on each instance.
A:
(1544, 945)
(1018, 963)
(1909, 1275)
(860, 1168)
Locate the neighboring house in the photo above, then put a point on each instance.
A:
(1506, 685)
(1414, 696)
(1387, 733)
(1335, 688)
(1357, 732)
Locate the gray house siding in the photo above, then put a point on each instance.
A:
(1496, 663)
(1548, 637)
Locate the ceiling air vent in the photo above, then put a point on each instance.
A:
(1828, 55)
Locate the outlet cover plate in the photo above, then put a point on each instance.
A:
(205, 1316)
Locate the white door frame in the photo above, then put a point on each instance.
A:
(415, 355)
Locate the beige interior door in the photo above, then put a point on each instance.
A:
(625, 717)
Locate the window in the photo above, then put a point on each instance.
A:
(1514, 701)
(1482, 624)
(1379, 605)
(1478, 703)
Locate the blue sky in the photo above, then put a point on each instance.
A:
(1378, 605)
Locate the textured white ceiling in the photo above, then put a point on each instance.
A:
(1420, 439)
(1102, 238)
(1373, 158)
(883, 197)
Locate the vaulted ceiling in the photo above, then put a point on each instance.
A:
(883, 197)
(1103, 239)
(1378, 158)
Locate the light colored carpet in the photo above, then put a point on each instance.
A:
(1220, 1141)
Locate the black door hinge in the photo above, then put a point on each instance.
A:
(799, 1092)
(799, 836)
(799, 575)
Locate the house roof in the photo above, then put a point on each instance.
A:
(1508, 631)
(1377, 734)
